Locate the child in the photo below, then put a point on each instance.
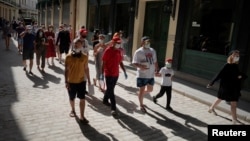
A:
(166, 83)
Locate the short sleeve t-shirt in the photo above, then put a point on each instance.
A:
(145, 57)
(166, 74)
(76, 65)
(112, 58)
(28, 42)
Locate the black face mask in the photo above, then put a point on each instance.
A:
(76, 54)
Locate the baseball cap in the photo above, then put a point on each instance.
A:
(144, 38)
(116, 40)
(28, 27)
(83, 31)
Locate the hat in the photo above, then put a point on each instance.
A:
(101, 35)
(169, 60)
(28, 27)
(145, 38)
(116, 40)
(83, 31)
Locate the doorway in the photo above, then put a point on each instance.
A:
(156, 26)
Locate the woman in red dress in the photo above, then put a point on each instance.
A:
(51, 50)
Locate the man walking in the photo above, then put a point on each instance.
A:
(76, 65)
(146, 62)
(112, 59)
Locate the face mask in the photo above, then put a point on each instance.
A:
(168, 65)
(40, 34)
(117, 46)
(147, 45)
(29, 31)
(101, 41)
(77, 50)
(236, 59)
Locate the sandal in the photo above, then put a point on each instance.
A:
(84, 121)
(143, 109)
(212, 111)
(72, 114)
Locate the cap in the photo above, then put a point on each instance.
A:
(116, 40)
(101, 35)
(28, 27)
(83, 31)
(145, 38)
(169, 60)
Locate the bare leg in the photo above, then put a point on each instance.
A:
(72, 104)
(211, 108)
(31, 64)
(233, 110)
(82, 108)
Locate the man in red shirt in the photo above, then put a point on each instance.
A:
(112, 59)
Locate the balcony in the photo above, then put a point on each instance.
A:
(12, 3)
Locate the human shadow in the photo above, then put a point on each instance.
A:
(56, 69)
(130, 106)
(38, 82)
(50, 77)
(127, 88)
(97, 105)
(140, 129)
(187, 118)
(186, 132)
(91, 133)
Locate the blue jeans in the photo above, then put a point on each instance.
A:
(109, 94)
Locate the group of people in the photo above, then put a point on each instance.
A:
(108, 60)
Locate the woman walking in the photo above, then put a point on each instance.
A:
(51, 50)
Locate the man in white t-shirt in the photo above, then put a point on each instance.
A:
(166, 83)
(145, 60)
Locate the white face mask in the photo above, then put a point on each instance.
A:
(117, 46)
(77, 50)
(147, 45)
(101, 41)
(40, 34)
(168, 65)
(236, 59)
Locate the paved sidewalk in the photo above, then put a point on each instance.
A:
(36, 108)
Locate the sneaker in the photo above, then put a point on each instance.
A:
(154, 99)
(106, 103)
(84, 121)
(169, 108)
(114, 114)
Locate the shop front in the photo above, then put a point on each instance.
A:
(207, 31)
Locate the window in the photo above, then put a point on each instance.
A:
(211, 26)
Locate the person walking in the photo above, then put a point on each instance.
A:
(64, 39)
(85, 50)
(19, 30)
(28, 47)
(98, 53)
(166, 73)
(75, 69)
(40, 49)
(7, 34)
(51, 50)
(95, 38)
(145, 60)
(230, 84)
(112, 59)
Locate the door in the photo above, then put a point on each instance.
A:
(156, 27)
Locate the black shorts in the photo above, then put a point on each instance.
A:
(64, 49)
(28, 55)
(77, 89)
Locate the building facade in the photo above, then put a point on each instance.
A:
(197, 34)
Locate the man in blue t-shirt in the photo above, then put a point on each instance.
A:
(28, 47)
